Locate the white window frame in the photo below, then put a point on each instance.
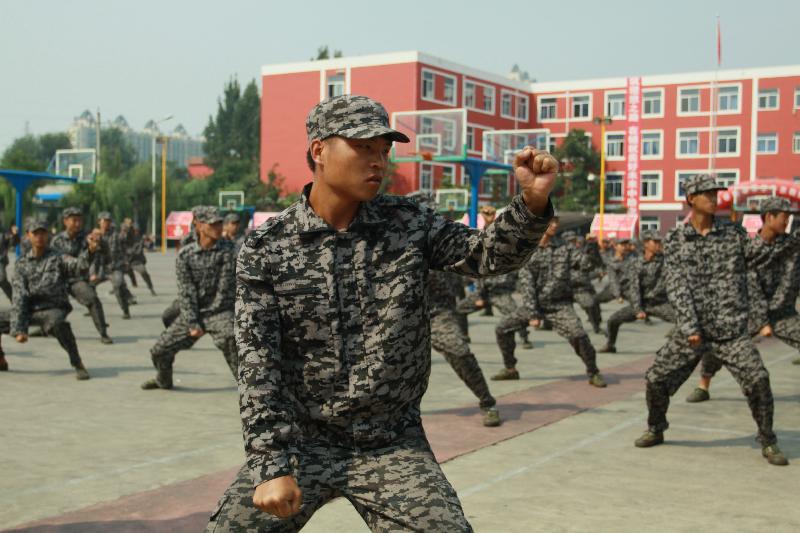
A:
(539, 107)
(425, 81)
(678, 154)
(766, 93)
(766, 137)
(485, 86)
(735, 153)
(620, 157)
(503, 95)
(436, 73)
(452, 169)
(572, 115)
(796, 143)
(660, 154)
(656, 197)
(702, 144)
(797, 98)
(621, 176)
(624, 104)
(727, 183)
(331, 82)
(653, 224)
(519, 99)
(660, 91)
(738, 108)
(425, 168)
(482, 128)
(699, 110)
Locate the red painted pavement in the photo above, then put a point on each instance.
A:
(185, 506)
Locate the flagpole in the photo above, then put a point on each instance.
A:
(714, 100)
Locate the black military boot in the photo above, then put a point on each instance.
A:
(163, 380)
(649, 439)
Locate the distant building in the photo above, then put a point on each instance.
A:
(181, 148)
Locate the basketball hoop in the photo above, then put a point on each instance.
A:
(426, 156)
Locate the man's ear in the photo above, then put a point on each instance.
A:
(689, 198)
(317, 147)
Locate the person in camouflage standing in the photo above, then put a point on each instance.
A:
(646, 290)
(546, 286)
(230, 231)
(173, 310)
(206, 282)
(582, 289)
(333, 330)
(114, 263)
(706, 265)
(137, 258)
(8, 240)
(40, 293)
(780, 284)
(615, 260)
(72, 242)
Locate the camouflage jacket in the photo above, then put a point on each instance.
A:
(114, 249)
(206, 281)
(581, 278)
(443, 291)
(707, 280)
(136, 250)
(62, 244)
(779, 279)
(646, 283)
(546, 281)
(42, 283)
(617, 270)
(333, 327)
(7, 241)
(504, 283)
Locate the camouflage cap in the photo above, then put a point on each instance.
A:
(71, 212)
(649, 235)
(233, 217)
(701, 183)
(104, 215)
(350, 116)
(775, 203)
(569, 235)
(207, 214)
(36, 224)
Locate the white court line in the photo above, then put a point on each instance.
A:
(725, 431)
(720, 383)
(15, 494)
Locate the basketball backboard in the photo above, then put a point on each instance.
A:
(452, 199)
(231, 200)
(436, 135)
(500, 146)
(76, 163)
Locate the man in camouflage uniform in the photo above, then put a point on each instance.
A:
(615, 260)
(41, 298)
(582, 289)
(230, 231)
(546, 283)
(206, 283)
(646, 290)
(8, 240)
(115, 260)
(173, 310)
(137, 258)
(333, 330)
(706, 265)
(72, 242)
(780, 284)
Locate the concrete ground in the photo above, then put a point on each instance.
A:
(104, 455)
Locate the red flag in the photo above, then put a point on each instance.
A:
(719, 44)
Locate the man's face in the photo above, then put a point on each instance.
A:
(777, 222)
(704, 203)
(105, 224)
(354, 168)
(231, 228)
(73, 224)
(210, 231)
(39, 238)
(651, 246)
(621, 248)
(489, 216)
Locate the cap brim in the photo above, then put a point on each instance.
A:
(214, 220)
(372, 132)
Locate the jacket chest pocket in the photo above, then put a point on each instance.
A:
(397, 298)
(303, 310)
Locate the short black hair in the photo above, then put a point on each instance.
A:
(310, 160)
(773, 213)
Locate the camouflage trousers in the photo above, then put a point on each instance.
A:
(176, 338)
(172, 312)
(86, 295)
(607, 294)
(785, 328)
(399, 487)
(121, 291)
(54, 324)
(448, 339)
(587, 300)
(5, 285)
(565, 322)
(141, 269)
(676, 361)
(627, 314)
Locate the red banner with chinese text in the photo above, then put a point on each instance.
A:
(633, 102)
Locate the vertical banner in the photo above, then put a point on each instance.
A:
(634, 104)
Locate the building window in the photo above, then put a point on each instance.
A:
(505, 104)
(471, 100)
(651, 185)
(796, 142)
(727, 179)
(615, 144)
(335, 85)
(727, 141)
(427, 85)
(614, 186)
(426, 177)
(688, 143)
(728, 98)
(487, 184)
(547, 108)
(450, 90)
(615, 105)
(652, 102)
(448, 176)
(797, 98)
(580, 107)
(649, 223)
(470, 138)
(689, 100)
(469, 94)
(651, 144)
(522, 108)
(768, 99)
(552, 145)
(488, 99)
(767, 143)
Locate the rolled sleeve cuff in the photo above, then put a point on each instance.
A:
(524, 217)
(264, 468)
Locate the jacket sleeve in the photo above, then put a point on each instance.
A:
(76, 267)
(634, 295)
(756, 257)
(20, 303)
(528, 290)
(500, 247)
(265, 402)
(187, 293)
(678, 290)
(226, 289)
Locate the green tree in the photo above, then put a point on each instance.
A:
(573, 188)
(323, 52)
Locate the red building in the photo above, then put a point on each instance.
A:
(757, 124)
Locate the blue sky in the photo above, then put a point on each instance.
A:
(147, 59)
